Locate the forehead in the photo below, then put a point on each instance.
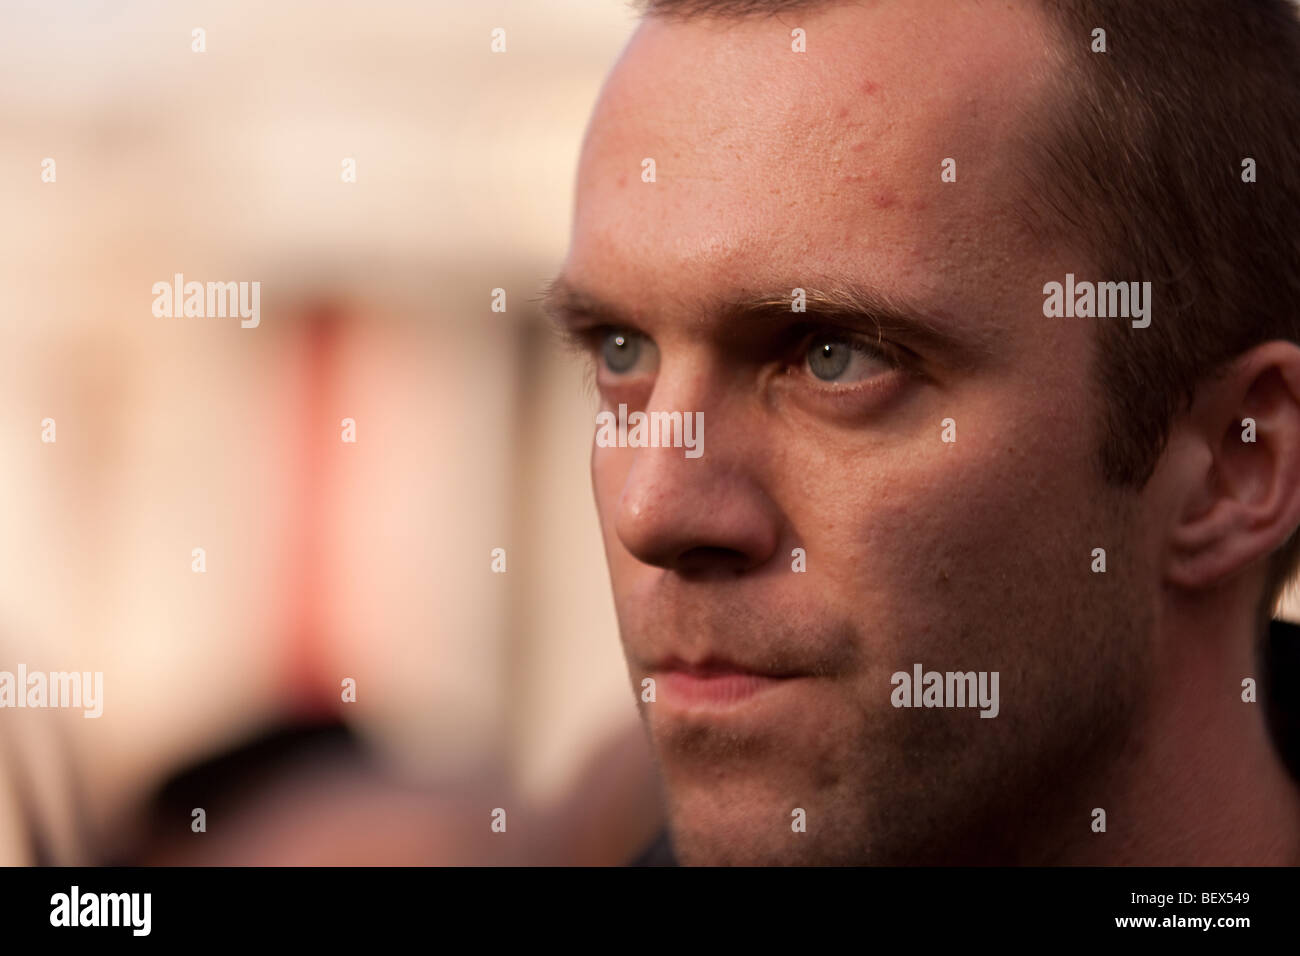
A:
(773, 166)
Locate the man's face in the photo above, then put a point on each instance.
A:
(777, 170)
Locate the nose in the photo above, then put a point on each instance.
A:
(701, 517)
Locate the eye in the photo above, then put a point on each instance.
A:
(836, 357)
(622, 351)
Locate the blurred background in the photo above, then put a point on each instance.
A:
(324, 559)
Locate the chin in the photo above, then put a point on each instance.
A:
(746, 846)
(751, 821)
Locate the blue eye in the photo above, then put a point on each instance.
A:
(828, 360)
(620, 350)
(830, 356)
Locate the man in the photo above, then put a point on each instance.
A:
(989, 314)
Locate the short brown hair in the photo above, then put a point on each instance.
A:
(1144, 154)
(1147, 163)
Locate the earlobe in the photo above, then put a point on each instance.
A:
(1238, 449)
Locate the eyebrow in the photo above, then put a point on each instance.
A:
(570, 308)
(567, 305)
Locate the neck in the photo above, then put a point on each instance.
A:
(1199, 781)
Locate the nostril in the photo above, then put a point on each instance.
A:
(707, 561)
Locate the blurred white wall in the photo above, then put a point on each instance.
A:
(180, 433)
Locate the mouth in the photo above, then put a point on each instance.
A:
(715, 683)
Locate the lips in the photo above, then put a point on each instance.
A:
(714, 682)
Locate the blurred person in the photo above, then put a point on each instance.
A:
(1101, 511)
(313, 793)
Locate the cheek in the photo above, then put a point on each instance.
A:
(929, 517)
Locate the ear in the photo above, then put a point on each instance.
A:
(1239, 499)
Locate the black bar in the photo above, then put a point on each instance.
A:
(327, 906)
